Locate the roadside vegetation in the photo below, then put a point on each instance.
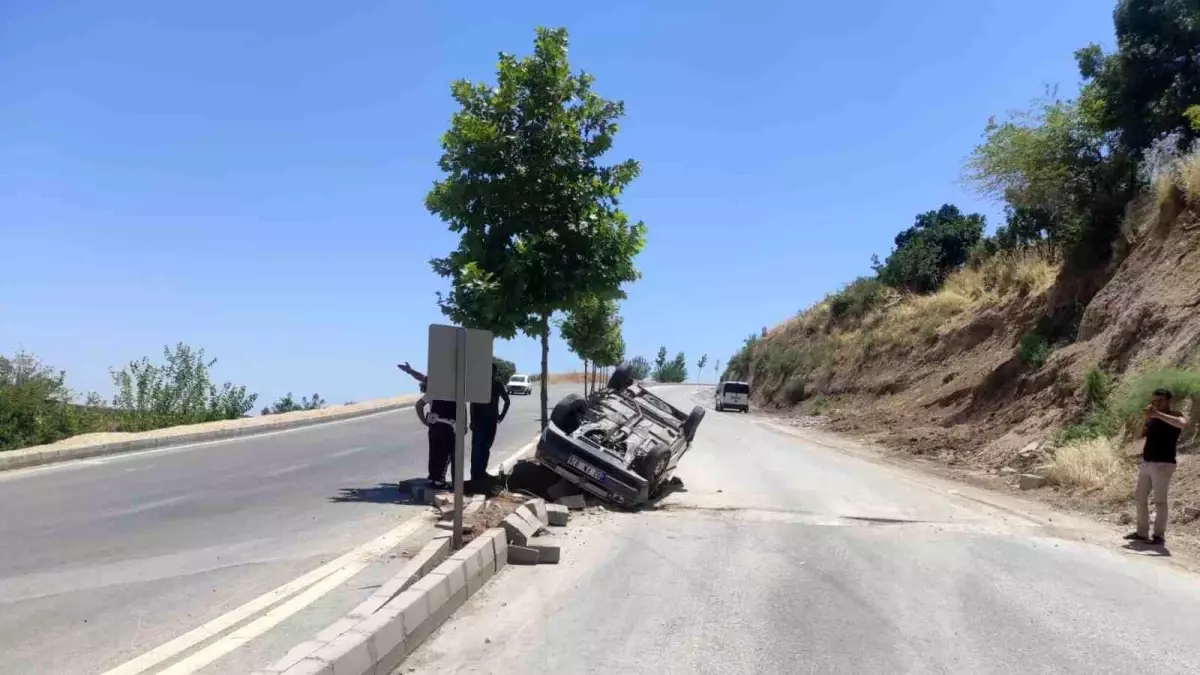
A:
(1058, 321)
(37, 407)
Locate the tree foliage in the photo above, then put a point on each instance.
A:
(288, 404)
(505, 369)
(674, 370)
(640, 366)
(1145, 89)
(179, 391)
(536, 210)
(34, 403)
(925, 254)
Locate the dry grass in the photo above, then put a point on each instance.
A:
(1006, 275)
(1096, 463)
(1189, 177)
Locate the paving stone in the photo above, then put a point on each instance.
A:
(558, 514)
(518, 529)
(573, 502)
(1030, 481)
(520, 555)
(548, 549)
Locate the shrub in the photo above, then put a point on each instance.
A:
(856, 299)
(1181, 383)
(505, 369)
(641, 367)
(1089, 463)
(288, 404)
(1033, 350)
(1097, 389)
(793, 391)
(151, 396)
(674, 370)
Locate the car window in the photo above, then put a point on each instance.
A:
(737, 388)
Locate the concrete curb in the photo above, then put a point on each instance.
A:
(38, 456)
(376, 641)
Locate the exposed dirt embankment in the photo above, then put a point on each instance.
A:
(963, 376)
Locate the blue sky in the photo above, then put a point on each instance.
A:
(248, 177)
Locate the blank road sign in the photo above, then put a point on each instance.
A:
(443, 360)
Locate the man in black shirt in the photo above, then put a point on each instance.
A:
(485, 417)
(1161, 429)
(440, 422)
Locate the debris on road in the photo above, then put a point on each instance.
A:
(1031, 481)
(558, 514)
(573, 502)
(520, 555)
(620, 444)
(548, 549)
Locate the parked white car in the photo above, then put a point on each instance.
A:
(520, 384)
(732, 396)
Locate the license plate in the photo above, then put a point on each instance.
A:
(587, 469)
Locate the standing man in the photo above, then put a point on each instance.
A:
(1161, 429)
(485, 417)
(440, 423)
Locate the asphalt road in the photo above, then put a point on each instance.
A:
(105, 559)
(785, 556)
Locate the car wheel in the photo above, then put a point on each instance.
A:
(568, 413)
(621, 378)
(719, 408)
(653, 465)
(692, 423)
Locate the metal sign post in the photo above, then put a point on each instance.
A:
(460, 370)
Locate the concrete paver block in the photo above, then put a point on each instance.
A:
(573, 502)
(349, 653)
(1029, 481)
(385, 631)
(519, 529)
(499, 546)
(548, 549)
(310, 666)
(537, 507)
(520, 555)
(558, 514)
(414, 611)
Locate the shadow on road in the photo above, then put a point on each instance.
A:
(1149, 550)
(384, 493)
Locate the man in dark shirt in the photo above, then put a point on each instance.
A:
(485, 417)
(1161, 429)
(440, 423)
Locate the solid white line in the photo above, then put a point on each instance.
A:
(264, 623)
(346, 453)
(372, 549)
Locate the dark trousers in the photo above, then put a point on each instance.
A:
(482, 437)
(441, 450)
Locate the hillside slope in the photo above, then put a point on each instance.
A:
(961, 375)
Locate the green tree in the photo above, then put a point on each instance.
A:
(611, 351)
(660, 362)
(674, 370)
(537, 212)
(937, 244)
(34, 403)
(505, 369)
(700, 367)
(288, 404)
(179, 391)
(1144, 90)
(640, 366)
(584, 329)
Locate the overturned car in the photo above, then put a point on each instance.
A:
(621, 444)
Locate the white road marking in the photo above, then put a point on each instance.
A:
(346, 453)
(287, 469)
(362, 555)
(264, 623)
(148, 506)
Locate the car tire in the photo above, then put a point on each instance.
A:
(719, 407)
(692, 423)
(568, 413)
(621, 378)
(653, 465)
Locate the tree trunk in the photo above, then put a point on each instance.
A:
(545, 368)
(585, 378)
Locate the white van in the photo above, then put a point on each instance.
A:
(733, 396)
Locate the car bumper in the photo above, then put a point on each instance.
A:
(518, 390)
(618, 485)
